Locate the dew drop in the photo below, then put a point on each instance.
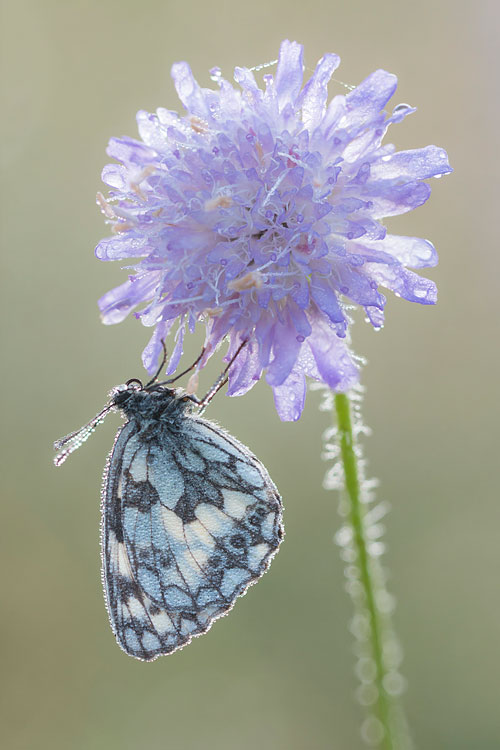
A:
(350, 235)
(336, 141)
(215, 150)
(190, 285)
(344, 289)
(366, 670)
(273, 256)
(300, 338)
(223, 262)
(401, 107)
(372, 731)
(394, 683)
(367, 694)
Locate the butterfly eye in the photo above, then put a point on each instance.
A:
(134, 382)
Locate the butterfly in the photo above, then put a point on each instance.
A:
(190, 518)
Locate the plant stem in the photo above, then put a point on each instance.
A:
(390, 731)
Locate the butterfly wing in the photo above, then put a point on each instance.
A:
(191, 518)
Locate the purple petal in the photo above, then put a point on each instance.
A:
(369, 98)
(130, 151)
(246, 79)
(119, 248)
(358, 285)
(289, 397)
(188, 90)
(116, 304)
(289, 73)
(404, 283)
(116, 176)
(315, 93)
(245, 371)
(299, 319)
(326, 299)
(375, 316)
(410, 251)
(418, 163)
(391, 200)
(332, 356)
(154, 347)
(285, 350)
(178, 349)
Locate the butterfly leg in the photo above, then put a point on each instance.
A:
(179, 375)
(219, 383)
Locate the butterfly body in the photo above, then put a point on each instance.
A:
(190, 519)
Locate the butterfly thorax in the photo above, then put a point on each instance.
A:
(161, 405)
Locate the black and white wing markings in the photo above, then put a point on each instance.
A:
(191, 520)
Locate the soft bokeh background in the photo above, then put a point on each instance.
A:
(277, 673)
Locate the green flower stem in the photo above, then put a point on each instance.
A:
(355, 518)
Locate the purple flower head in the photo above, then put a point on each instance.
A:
(258, 213)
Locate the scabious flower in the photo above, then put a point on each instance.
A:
(259, 214)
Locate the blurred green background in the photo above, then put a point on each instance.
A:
(277, 673)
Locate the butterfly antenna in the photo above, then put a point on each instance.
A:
(184, 372)
(163, 361)
(219, 383)
(67, 445)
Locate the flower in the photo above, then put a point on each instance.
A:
(258, 213)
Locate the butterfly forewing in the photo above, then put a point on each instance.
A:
(190, 519)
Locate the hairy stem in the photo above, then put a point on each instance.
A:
(385, 726)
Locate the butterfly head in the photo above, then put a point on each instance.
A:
(150, 402)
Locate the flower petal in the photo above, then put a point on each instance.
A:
(155, 347)
(124, 246)
(418, 163)
(116, 304)
(367, 99)
(178, 348)
(404, 283)
(332, 356)
(326, 299)
(286, 347)
(245, 371)
(290, 397)
(388, 199)
(410, 251)
(188, 89)
(315, 93)
(289, 73)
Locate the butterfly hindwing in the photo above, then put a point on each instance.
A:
(190, 519)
